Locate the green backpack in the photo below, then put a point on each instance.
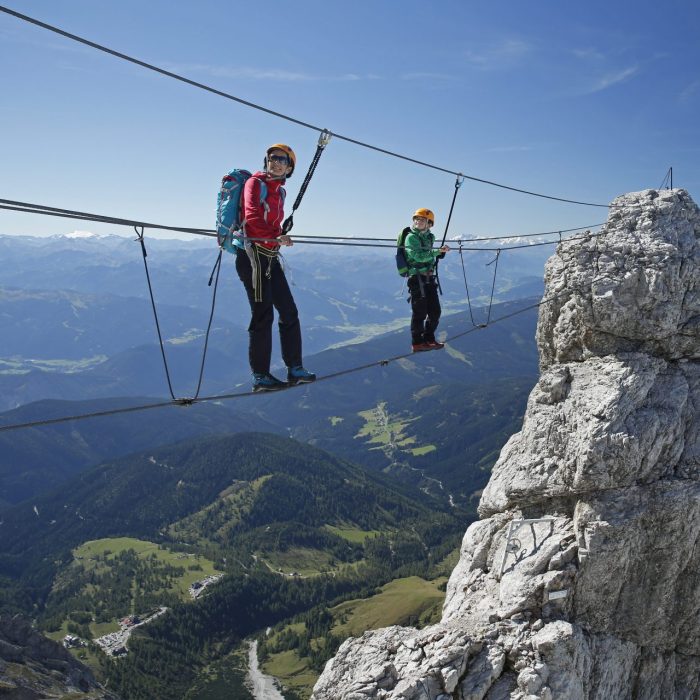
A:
(402, 265)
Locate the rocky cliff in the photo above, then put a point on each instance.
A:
(33, 667)
(582, 579)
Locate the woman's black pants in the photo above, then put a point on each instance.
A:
(267, 289)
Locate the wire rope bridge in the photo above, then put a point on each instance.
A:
(197, 398)
(324, 138)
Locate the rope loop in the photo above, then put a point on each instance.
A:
(215, 271)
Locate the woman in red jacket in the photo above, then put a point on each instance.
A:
(262, 275)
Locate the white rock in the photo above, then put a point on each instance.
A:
(602, 601)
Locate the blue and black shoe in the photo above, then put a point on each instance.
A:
(264, 381)
(298, 375)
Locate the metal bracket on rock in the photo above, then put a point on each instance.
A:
(514, 545)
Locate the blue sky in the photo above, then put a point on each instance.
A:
(584, 101)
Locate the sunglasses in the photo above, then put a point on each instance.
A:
(279, 159)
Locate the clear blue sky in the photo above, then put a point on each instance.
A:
(577, 100)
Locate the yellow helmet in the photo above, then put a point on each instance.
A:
(288, 150)
(426, 214)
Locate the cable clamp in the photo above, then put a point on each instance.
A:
(498, 253)
(141, 240)
(325, 138)
(383, 363)
(183, 402)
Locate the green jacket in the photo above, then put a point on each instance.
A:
(419, 252)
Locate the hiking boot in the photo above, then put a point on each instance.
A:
(434, 345)
(266, 382)
(420, 347)
(298, 375)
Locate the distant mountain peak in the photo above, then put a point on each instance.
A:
(80, 234)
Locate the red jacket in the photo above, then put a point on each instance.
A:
(263, 219)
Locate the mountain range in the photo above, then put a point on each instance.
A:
(436, 419)
(78, 323)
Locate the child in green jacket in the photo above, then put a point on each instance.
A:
(422, 282)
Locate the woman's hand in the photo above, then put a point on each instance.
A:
(284, 239)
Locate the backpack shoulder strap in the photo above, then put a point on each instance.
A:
(263, 190)
(402, 236)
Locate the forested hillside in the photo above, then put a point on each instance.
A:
(36, 460)
(289, 525)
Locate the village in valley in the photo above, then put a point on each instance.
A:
(115, 643)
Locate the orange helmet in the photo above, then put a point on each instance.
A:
(426, 214)
(288, 150)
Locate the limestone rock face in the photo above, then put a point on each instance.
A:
(582, 580)
(634, 289)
